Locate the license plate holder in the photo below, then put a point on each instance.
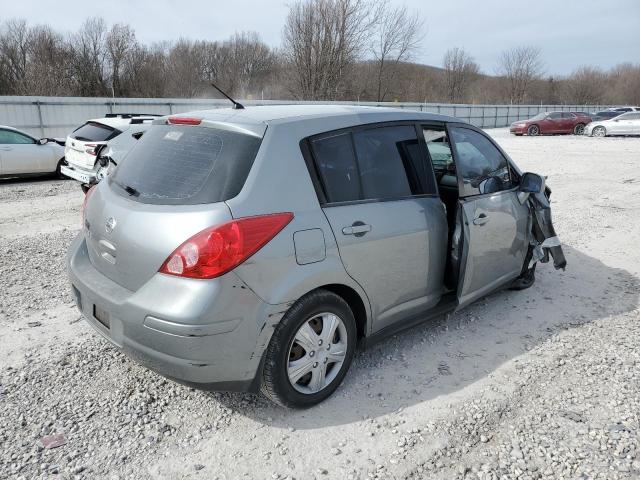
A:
(101, 315)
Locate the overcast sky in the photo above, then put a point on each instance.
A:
(569, 33)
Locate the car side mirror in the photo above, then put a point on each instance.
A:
(531, 183)
(43, 141)
(489, 185)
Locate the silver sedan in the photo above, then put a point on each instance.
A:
(22, 154)
(625, 124)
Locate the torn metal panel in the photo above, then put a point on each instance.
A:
(544, 240)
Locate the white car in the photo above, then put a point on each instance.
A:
(625, 124)
(21, 154)
(624, 109)
(119, 131)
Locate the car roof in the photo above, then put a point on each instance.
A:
(282, 114)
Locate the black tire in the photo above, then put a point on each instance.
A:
(275, 383)
(525, 280)
(578, 129)
(58, 173)
(533, 130)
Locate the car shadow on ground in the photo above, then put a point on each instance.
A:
(443, 356)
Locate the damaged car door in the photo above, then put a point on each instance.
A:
(495, 224)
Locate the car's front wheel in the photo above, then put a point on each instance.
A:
(599, 131)
(578, 129)
(58, 172)
(533, 130)
(310, 351)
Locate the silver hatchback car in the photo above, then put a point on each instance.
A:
(254, 249)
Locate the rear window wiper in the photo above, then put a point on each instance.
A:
(129, 189)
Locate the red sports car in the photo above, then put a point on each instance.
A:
(551, 122)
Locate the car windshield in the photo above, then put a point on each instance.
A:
(186, 165)
(539, 116)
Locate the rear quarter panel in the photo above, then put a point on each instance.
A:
(280, 182)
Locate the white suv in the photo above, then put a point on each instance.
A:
(118, 131)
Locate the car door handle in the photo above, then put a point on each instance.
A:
(6, 149)
(358, 229)
(481, 219)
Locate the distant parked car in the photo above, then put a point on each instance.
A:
(119, 131)
(625, 109)
(605, 115)
(21, 154)
(625, 124)
(551, 122)
(582, 114)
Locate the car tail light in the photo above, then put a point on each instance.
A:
(84, 204)
(92, 148)
(184, 121)
(219, 249)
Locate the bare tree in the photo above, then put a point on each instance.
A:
(14, 50)
(239, 65)
(322, 40)
(184, 69)
(521, 66)
(460, 70)
(145, 71)
(624, 81)
(586, 85)
(397, 36)
(89, 57)
(49, 58)
(120, 40)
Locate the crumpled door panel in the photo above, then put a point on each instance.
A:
(544, 240)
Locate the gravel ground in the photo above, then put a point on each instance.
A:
(543, 383)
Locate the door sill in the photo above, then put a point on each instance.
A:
(447, 304)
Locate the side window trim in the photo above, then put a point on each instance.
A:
(426, 156)
(454, 150)
(316, 178)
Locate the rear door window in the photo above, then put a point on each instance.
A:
(378, 163)
(94, 132)
(336, 164)
(186, 165)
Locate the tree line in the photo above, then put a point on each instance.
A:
(331, 50)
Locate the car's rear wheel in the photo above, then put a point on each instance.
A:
(533, 130)
(599, 131)
(310, 351)
(578, 129)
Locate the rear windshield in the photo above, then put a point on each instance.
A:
(186, 165)
(94, 132)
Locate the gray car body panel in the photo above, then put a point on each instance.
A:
(216, 331)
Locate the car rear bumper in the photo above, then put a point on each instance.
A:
(217, 349)
(82, 176)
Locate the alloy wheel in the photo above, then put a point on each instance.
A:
(578, 129)
(317, 352)
(599, 132)
(533, 130)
